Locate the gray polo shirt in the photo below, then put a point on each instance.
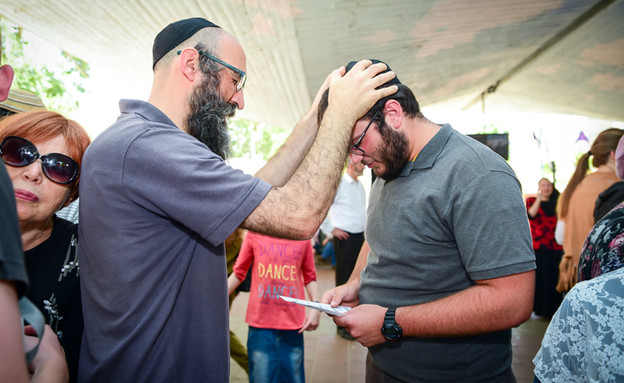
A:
(453, 216)
(156, 206)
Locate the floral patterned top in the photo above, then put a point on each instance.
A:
(543, 228)
(603, 250)
(584, 341)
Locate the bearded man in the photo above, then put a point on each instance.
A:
(447, 268)
(158, 202)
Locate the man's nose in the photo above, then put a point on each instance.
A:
(238, 99)
(356, 158)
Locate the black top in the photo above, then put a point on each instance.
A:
(55, 287)
(11, 254)
(608, 199)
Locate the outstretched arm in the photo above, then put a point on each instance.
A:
(348, 294)
(490, 305)
(282, 165)
(296, 210)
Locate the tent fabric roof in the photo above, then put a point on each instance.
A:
(534, 55)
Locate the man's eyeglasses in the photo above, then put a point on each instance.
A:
(240, 84)
(355, 148)
(19, 152)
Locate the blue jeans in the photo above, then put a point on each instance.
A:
(328, 251)
(275, 356)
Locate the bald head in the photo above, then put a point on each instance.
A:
(201, 66)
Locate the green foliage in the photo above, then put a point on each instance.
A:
(548, 170)
(494, 128)
(57, 77)
(43, 69)
(250, 139)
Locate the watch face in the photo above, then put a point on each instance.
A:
(391, 331)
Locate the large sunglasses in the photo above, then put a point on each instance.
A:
(242, 79)
(19, 152)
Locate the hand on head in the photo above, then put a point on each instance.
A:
(355, 92)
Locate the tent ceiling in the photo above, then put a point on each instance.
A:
(545, 55)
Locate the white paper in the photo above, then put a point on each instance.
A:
(338, 311)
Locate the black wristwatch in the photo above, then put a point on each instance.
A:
(391, 329)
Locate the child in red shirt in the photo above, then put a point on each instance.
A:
(275, 340)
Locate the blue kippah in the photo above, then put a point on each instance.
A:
(175, 33)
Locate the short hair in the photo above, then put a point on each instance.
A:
(404, 96)
(45, 125)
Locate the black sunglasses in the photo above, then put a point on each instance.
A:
(19, 152)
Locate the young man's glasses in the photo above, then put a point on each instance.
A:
(19, 152)
(240, 84)
(355, 148)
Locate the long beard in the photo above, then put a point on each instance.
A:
(208, 116)
(394, 153)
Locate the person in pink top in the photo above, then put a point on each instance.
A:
(275, 340)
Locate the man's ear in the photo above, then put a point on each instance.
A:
(6, 78)
(393, 114)
(189, 64)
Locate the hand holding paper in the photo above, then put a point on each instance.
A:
(338, 311)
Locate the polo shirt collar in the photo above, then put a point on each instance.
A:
(427, 156)
(145, 110)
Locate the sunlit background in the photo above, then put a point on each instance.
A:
(536, 140)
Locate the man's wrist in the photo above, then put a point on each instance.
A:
(391, 329)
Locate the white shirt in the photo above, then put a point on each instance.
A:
(348, 212)
(70, 212)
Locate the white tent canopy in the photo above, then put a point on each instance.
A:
(531, 55)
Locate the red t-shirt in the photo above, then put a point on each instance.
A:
(278, 267)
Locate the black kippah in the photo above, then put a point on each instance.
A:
(394, 81)
(175, 33)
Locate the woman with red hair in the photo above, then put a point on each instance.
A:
(42, 152)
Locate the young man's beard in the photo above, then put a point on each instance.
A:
(208, 116)
(393, 153)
